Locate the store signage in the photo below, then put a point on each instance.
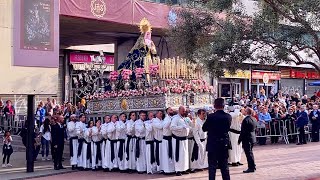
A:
(76, 57)
(266, 76)
(240, 74)
(299, 74)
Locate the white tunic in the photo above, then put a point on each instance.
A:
(140, 132)
(111, 130)
(87, 161)
(131, 157)
(151, 166)
(166, 161)
(157, 126)
(200, 140)
(121, 136)
(105, 150)
(72, 131)
(96, 138)
(81, 128)
(235, 152)
(180, 128)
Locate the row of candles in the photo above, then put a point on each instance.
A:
(174, 68)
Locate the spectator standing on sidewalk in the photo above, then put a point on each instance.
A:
(7, 149)
(9, 112)
(1, 116)
(45, 131)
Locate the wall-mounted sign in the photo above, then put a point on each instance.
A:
(266, 75)
(76, 57)
(98, 8)
(240, 74)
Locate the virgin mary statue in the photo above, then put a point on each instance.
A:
(143, 50)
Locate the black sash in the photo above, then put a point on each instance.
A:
(157, 151)
(138, 147)
(112, 142)
(127, 147)
(195, 150)
(151, 143)
(89, 157)
(178, 139)
(98, 157)
(80, 141)
(121, 148)
(169, 139)
(71, 145)
(235, 131)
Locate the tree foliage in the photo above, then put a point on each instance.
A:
(221, 33)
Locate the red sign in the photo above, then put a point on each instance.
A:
(76, 57)
(266, 75)
(304, 74)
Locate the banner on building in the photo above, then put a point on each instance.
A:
(266, 75)
(240, 74)
(36, 33)
(124, 11)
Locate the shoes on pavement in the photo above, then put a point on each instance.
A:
(178, 174)
(239, 163)
(61, 167)
(234, 164)
(9, 165)
(43, 159)
(48, 159)
(3, 165)
(299, 144)
(248, 171)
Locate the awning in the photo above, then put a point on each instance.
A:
(84, 66)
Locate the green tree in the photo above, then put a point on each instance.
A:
(221, 33)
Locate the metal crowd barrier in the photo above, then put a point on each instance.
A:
(12, 123)
(286, 130)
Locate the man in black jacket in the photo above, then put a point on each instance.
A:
(314, 118)
(218, 142)
(248, 138)
(58, 142)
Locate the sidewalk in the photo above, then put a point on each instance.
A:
(18, 161)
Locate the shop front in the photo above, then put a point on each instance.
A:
(86, 73)
(233, 85)
(267, 80)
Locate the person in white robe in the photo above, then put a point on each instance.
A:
(73, 138)
(112, 143)
(121, 136)
(180, 130)
(88, 146)
(96, 145)
(234, 133)
(82, 150)
(140, 133)
(166, 145)
(199, 158)
(106, 158)
(130, 163)
(157, 125)
(189, 119)
(150, 150)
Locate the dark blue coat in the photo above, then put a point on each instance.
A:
(302, 120)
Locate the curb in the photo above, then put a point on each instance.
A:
(45, 175)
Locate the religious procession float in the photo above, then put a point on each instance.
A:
(146, 82)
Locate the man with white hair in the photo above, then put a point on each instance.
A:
(180, 130)
(72, 131)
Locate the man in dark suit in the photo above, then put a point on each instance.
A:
(314, 117)
(218, 143)
(248, 138)
(58, 142)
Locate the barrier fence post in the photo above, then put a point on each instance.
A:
(30, 134)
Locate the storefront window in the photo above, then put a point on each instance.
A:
(225, 90)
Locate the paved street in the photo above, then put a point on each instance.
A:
(274, 162)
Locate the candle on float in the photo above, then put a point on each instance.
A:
(173, 68)
(178, 67)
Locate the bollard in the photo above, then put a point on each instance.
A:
(30, 134)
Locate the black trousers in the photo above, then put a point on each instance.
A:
(219, 157)
(247, 147)
(58, 153)
(315, 132)
(302, 135)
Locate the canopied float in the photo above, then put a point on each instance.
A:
(146, 82)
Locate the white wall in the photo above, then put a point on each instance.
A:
(20, 80)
